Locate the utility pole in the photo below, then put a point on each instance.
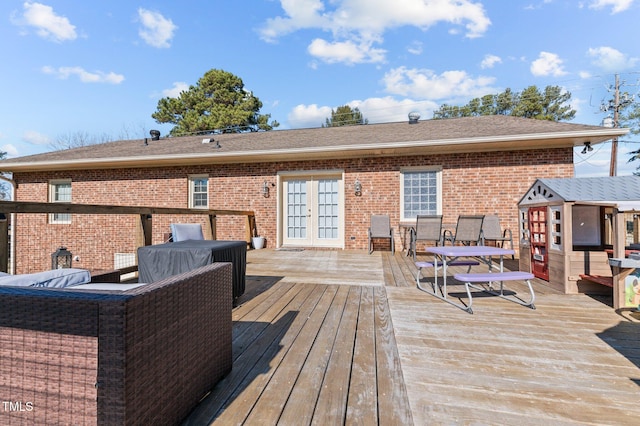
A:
(615, 105)
(613, 164)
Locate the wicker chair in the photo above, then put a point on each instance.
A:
(146, 355)
(381, 228)
(468, 231)
(428, 229)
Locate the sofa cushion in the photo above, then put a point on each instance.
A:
(106, 286)
(55, 278)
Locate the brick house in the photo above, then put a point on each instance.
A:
(313, 188)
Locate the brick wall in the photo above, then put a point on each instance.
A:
(474, 183)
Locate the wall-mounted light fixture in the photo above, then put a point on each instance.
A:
(357, 188)
(265, 189)
(61, 258)
(587, 147)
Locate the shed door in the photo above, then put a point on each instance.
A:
(539, 241)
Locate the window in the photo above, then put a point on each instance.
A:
(586, 226)
(198, 192)
(556, 227)
(421, 191)
(60, 192)
(524, 232)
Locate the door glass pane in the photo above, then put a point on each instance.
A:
(327, 208)
(296, 209)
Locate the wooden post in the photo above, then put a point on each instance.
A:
(619, 240)
(145, 228)
(251, 227)
(212, 224)
(5, 243)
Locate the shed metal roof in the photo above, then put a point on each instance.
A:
(623, 191)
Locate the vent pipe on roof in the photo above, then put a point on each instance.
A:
(155, 135)
(414, 116)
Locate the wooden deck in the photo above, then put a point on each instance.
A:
(343, 337)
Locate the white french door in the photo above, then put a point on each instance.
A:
(312, 210)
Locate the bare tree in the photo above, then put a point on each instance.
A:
(77, 139)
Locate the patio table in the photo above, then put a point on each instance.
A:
(160, 261)
(446, 255)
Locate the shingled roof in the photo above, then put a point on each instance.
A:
(471, 134)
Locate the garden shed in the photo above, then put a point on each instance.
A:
(581, 234)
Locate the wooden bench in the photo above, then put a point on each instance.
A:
(501, 277)
(598, 279)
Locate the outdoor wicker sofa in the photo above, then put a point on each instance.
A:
(146, 355)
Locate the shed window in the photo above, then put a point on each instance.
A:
(556, 227)
(587, 231)
(198, 192)
(421, 193)
(524, 233)
(60, 192)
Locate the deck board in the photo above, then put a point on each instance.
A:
(362, 390)
(367, 347)
(332, 401)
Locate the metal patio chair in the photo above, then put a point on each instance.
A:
(186, 231)
(380, 228)
(492, 231)
(428, 229)
(468, 231)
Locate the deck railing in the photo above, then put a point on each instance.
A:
(145, 222)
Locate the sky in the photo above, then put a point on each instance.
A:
(97, 69)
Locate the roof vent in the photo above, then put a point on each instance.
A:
(155, 135)
(414, 116)
(207, 140)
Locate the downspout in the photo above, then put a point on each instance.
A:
(12, 221)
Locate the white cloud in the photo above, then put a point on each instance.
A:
(425, 84)
(10, 149)
(547, 64)
(415, 48)
(34, 138)
(616, 5)
(84, 76)
(610, 59)
(375, 110)
(389, 109)
(174, 92)
(305, 116)
(347, 52)
(156, 31)
(489, 61)
(357, 24)
(48, 25)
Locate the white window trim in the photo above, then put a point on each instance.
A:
(54, 218)
(523, 223)
(552, 228)
(283, 176)
(192, 179)
(438, 170)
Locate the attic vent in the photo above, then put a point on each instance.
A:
(414, 116)
(155, 135)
